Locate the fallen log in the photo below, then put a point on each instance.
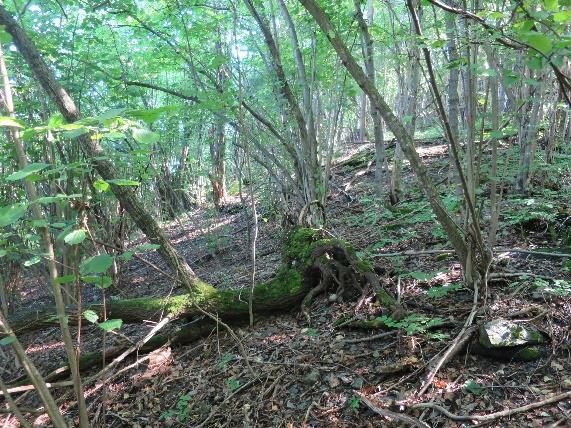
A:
(308, 258)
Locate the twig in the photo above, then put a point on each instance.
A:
(413, 253)
(493, 416)
(497, 275)
(370, 338)
(24, 388)
(525, 251)
(446, 251)
(217, 408)
(389, 414)
(452, 350)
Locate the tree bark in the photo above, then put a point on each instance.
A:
(94, 151)
(368, 53)
(395, 125)
(46, 237)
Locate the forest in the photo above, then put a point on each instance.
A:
(285, 213)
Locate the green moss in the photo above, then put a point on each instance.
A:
(286, 281)
(299, 245)
(529, 353)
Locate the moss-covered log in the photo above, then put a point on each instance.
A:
(309, 258)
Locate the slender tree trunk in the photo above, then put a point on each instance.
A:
(217, 156)
(527, 139)
(453, 98)
(368, 54)
(34, 375)
(494, 203)
(16, 140)
(93, 150)
(307, 153)
(396, 127)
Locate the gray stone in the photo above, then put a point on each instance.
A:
(501, 333)
(312, 377)
(357, 383)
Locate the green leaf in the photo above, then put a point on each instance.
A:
(145, 247)
(104, 282)
(109, 114)
(3, 253)
(34, 260)
(144, 136)
(90, 316)
(12, 214)
(10, 122)
(421, 276)
(49, 199)
(126, 256)
(96, 264)
(7, 340)
(233, 384)
(539, 41)
(65, 279)
(5, 37)
(40, 223)
(551, 5)
(473, 387)
(28, 170)
(75, 237)
(562, 16)
(438, 43)
(123, 182)
(111, 324)
(151, 115)
(101, 185)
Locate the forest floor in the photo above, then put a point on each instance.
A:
(314, 375)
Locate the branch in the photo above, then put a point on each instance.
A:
(493, 416)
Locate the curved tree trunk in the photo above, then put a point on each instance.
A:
(93, 150)
(309, 259)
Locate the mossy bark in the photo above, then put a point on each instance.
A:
(306, 253)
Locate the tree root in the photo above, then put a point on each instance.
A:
(311, 264)
(497, 415)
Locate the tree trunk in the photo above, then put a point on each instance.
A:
(395, 125)
(368, 53)
(303, 269)
(453, 98)
(16, 139)
(218, 172)
(95, 153)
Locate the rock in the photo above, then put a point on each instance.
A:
(506, 340)
(502, 333)
(333, 298)
(333, 381)
(357, 383)
(345, 378)
(312, 377)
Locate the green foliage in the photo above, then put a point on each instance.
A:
(11, 214)
(412, 324)
(354, 403)
(233, 384)
(524, 211)
(30, 169)
(224, 360)
(559, 287)
(75, 237)
(7, 340)
(473, 387)
(181, 412)
(443, 291)
(96, 264)
(108, 325)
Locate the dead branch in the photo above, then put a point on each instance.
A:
(497, 415)
(389, 414)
